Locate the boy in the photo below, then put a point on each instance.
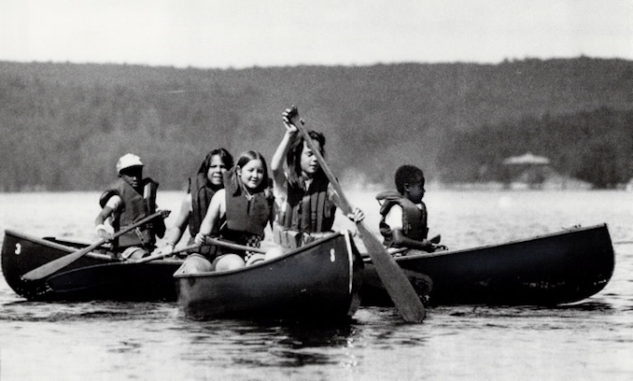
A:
(404, 215)
(126, 201)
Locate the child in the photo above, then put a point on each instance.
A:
(202, 188)
(404, 215)
(126, 201)
(304, 199)
(239, 212)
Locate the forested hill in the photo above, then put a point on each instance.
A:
(64, 125)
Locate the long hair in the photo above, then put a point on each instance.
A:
(248, 156)
(293, 159)
(225, 156)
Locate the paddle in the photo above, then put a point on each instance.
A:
(231, 245)
(59, 263)
(185, 249)
(396, 283)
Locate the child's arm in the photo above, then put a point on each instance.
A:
(400, 240)
(103, 215)
(103, 224)
(214, 213)
(173, 234)
(277, 161)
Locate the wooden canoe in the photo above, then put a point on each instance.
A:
(562, 267)
(316, 282)
(97, 275)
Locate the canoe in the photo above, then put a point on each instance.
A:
(97, 275)
(316, 282)
(562, 267)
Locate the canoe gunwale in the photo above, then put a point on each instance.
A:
(55, 245)
(413, 257)
(256, 266)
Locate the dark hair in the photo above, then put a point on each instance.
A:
(225, 156)
(408, 174)
(247, 156)
(293, 159)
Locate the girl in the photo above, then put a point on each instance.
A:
(304, 199)
(239, 213)
(207, 181)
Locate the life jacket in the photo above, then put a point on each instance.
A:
(414, 218)
(135, 206)
(306, 213)
(201, 195)
(246, 218)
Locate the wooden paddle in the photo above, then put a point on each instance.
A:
(59, 263)
(185, 249)
(396, 283)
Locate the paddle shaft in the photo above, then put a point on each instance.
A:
(59, 263)
(231, 245)
(160, 256)
(396, 283)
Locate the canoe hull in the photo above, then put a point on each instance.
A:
(95, 276)
(551, 269)
(315, 282)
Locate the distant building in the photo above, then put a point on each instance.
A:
(530, 171)
(526, 171)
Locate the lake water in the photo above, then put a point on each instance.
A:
(592, 339)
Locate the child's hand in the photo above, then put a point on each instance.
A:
(104, 231)
(356, 216)
(200, 238)
(440, 247)
(165, 250)
(290, 116)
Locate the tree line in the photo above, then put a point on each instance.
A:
(595, 146)
(64, 125)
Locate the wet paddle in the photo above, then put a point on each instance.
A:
(59, 263)
(190, 248)
(396, 283)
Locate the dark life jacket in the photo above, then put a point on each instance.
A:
(201, 195)
(414, 219)
(135, 206)
(308, 210)
(246, 218)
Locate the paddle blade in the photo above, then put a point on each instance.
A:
(57, 264)
(396, 283)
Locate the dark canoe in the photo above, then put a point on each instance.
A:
(94, 276)
(316, 282)
(563, 267)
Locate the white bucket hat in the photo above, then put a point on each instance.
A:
(128, 160)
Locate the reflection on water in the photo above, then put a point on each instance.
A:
(590, 339)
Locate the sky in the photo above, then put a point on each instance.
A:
(245, 33)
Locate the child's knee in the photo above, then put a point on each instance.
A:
(229, 262)
(195, 264)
